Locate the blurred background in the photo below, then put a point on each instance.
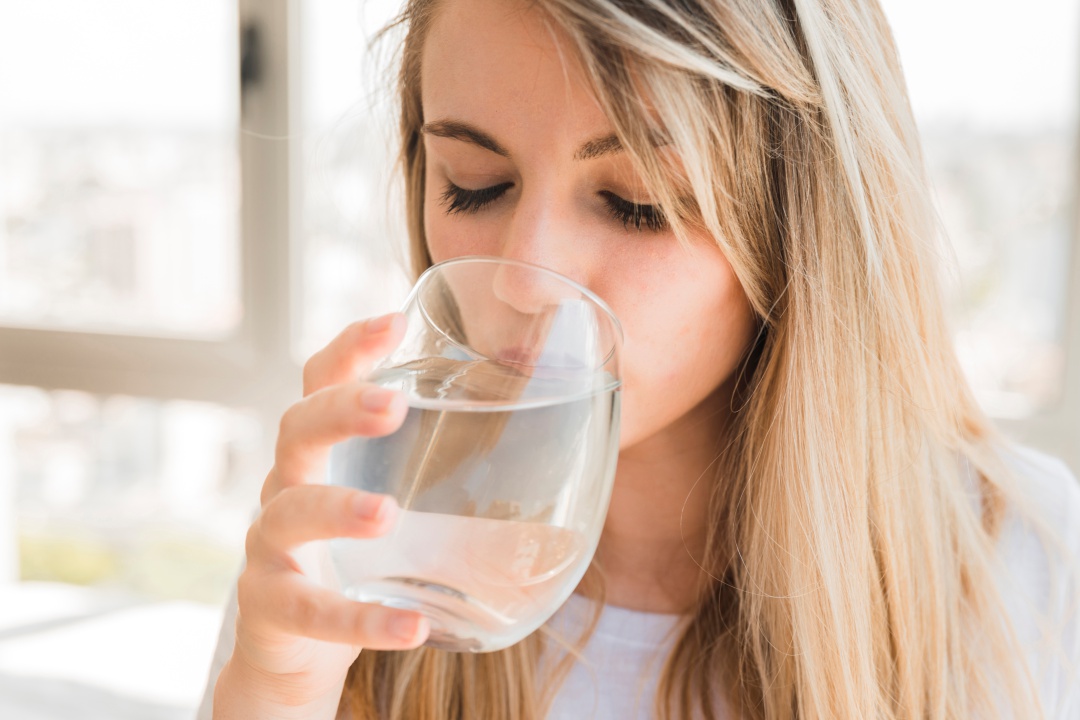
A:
(196, 194)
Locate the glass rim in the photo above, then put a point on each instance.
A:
(495, 260)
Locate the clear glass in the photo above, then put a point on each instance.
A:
(504, 465)
(119, 167)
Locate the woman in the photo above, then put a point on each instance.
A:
(811, 517)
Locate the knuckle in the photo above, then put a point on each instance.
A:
(356, 330)
(370, 427)
(252, 540)
(289, 438)
(281, 461)
(270, 485)
(287, 423)
(354, 415)
(269, 522)
(370, 624)
(361, 626)
(379, 425)
(311, 372)
(348, 414)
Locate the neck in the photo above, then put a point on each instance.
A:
(653, 543)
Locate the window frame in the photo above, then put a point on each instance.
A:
(1056, 429)
(252, 367)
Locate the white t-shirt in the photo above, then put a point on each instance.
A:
(617, 679)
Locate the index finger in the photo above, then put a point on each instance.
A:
(353, 351)
(304, 513)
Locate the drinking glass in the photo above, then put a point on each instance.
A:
(504, 465)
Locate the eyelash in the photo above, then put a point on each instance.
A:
(459, 200)
(630, 213)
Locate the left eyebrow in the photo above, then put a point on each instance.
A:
(598, 148)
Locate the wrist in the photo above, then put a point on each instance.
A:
(243, 691)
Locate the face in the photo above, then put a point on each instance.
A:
(520, 164)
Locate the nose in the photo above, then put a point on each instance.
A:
(529, 290)
(544, 234)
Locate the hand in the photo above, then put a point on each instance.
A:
(295, 639)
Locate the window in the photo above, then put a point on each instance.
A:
(119, 200)
(999, 132)
(144, 334)
(352, 235)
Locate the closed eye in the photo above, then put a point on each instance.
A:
(459, 200)
(636, 214)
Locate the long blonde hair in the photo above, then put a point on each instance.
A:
(861, 489)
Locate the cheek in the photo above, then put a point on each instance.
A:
(663, 379)
(683, 341)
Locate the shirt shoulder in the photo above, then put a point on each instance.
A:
(1051, 487)
(1039, 542)
(1039, 580)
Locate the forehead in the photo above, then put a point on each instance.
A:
(504, 66)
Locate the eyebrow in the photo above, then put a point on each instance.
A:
(465, 132)
(598, 148)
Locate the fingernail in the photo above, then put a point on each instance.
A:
(404, 627)
(377, 399)
(370, 507)
(382, 324)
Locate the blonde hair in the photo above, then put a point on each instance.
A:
(861, 488)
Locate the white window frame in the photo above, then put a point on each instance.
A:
(1057, 429)
(253, 367)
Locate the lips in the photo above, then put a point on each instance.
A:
(559, 340)
(518, 356)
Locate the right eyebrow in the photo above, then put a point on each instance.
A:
(463, 131)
